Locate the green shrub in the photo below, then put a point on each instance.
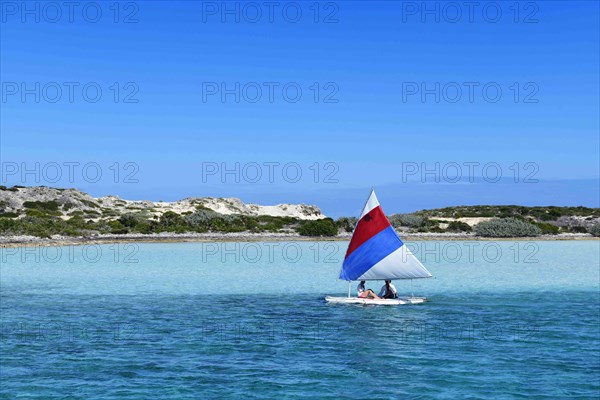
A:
(409, 220)
(347, 224)
(459, 226)
(228, 223)
(8, 225)
(430, 225)
(36, 226)
(117, 228)
(505, 211)
(90, 203)
(547, 229)
(506, 227)
(144, 227)
(281, 221)
(9, 215)
(110, 213)
(578, 229)
(77, 221)
(201, 218)
(132, 220)
(319, 227)
(36, 213)
(172, 222)
(39, 231)
(595, 230)
(42, 205)
(552, 214)
(68, 206)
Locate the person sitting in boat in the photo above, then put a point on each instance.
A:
(365, 293)
(388, 291)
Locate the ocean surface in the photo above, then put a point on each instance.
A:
(248, 320)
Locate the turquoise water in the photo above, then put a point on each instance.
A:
(505, 320)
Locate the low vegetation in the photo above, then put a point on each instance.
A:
(319, 227)
(346, 224)
(43, 222)
(408, 220)
(507, 227)
(47, 218)
(549, 213)
(458, 226)
(42, 205)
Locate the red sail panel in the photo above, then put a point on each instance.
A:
(368, 226)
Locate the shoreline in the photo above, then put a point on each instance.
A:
(32, 241)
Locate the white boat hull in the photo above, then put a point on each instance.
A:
(380, 302)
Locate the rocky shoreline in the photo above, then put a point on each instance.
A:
(168, 237)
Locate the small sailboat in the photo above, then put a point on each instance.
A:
(376, 252)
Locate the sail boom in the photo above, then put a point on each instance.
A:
(385, 279)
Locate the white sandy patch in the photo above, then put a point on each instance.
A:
(73, 200)
(471, 221)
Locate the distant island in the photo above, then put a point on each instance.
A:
(44, 215)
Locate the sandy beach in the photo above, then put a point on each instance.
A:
(165, 237)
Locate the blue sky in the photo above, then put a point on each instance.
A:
(366, 58)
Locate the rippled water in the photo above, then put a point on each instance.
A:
(190, 320)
